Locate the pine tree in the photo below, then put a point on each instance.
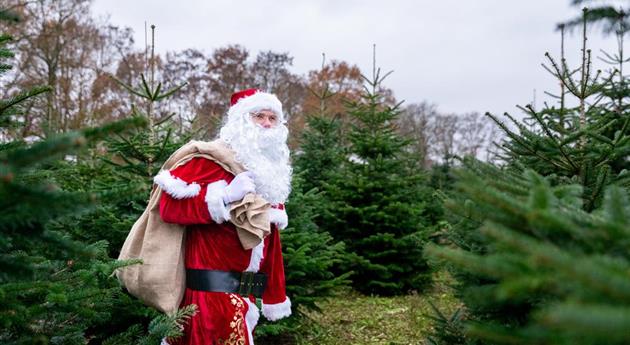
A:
(123, 176)
(586, 143)
(52, 287)
(538, 247)
(378, 197)
(118, 170)
(609, 15)
(321, 147)
(549, 272)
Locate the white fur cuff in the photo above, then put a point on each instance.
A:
(251, 319)
(214, 199)
(279, 217)
(176, 187)
(277, 311)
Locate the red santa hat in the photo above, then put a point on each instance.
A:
(252, 100)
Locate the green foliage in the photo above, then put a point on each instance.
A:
(163, 326)
(551, 272)
(377, 200)
(120, 172)
(53, 288)
(586, 144)
(309, 256)
(607, 15)
(448, 329)
(539, 247)
(321, 148)
(309, 252)
(62, 208)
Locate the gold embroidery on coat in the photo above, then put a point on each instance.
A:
(237, 337)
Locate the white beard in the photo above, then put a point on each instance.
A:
(263, 151)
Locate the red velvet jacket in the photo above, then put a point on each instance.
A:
(193, 197)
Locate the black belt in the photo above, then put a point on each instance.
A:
(243, 283)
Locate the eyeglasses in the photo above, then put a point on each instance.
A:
(260, 117)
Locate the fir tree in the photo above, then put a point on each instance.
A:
(126, 177)
(378, 197)
(52, 287)
(550, 272)
(534, 243)
(586, 142)
(119, 171)
(321, 149)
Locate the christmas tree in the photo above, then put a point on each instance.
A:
(57, 283)
(53, 287)
(377, 197)
(538, 247)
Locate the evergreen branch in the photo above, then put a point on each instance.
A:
(587, 321)
(119, 126)
(601, 138)
(5, 38)
(157, 91)
(164, 119)
(575, 87)
(487, 265)
(171, 91)
(134, 150)
(522, 142)
(4, 67)
(601, 86)
(147, 89)
(551, 137)
(43, 151)
(594, 104)
(162, 149)
(561, 74)
(552, 95)
(608, 58)
(602, 176)
(169, 326)
(605, 276)
(128, 88)
(621, 133)
(5, 53)
(6, 104)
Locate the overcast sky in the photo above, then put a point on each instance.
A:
(481, 55)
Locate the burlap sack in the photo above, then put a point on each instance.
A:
(160, 280)
(250, 217)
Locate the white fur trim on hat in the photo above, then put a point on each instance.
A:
(258, 101)
(176, 187)
(277, 311)
(279, 217)
(214, 199)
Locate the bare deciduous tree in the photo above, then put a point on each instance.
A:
(438, 137)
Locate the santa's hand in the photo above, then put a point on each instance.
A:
(241, 185)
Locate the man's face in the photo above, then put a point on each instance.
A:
(265, 118)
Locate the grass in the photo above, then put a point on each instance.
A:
(352, 318)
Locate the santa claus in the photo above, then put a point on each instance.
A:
(222, 277)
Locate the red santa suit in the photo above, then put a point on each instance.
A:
(192, 196)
